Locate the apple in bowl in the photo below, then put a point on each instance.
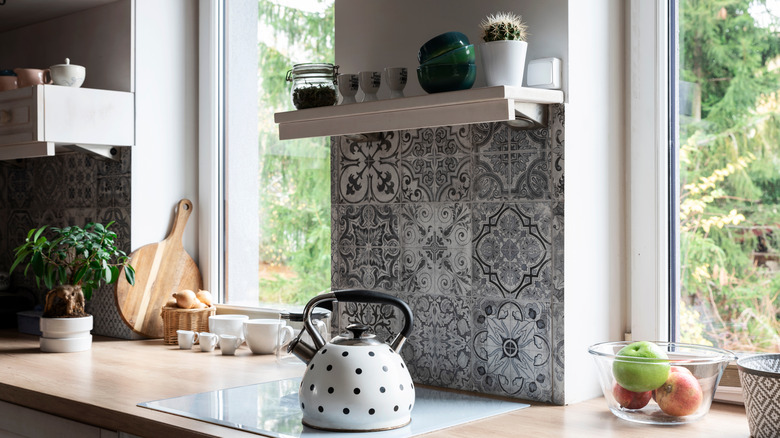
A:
(630, 399)
(641, 366)
(680, 395)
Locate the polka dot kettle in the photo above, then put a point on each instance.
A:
(355, 382)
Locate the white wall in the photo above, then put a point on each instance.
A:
(165, 156)
(595, 255)
(400, 27)
(97, 38)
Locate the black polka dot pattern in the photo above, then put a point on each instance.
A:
(371, 411)
(345, 353)
(346, 411)
(371, 353)
(395, 408)
(401, 387)
(321, 409)
(382, 389)
(324, 350)
(384, 368)
(356, 391)
(330, 390)
(358, 371)
(311, 388)
(330, 367)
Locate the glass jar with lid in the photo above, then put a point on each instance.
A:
(313, 84)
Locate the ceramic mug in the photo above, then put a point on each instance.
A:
(228, 344)
(348, 87)
(369, 83)
(264, 336)
(27, 77)
(7, 82)
(228, 325)
(396, 78)
(207, 341)
(186, 339)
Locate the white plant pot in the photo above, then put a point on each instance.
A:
(66, 335)
(503, 62)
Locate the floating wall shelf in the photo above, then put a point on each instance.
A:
(478, 105)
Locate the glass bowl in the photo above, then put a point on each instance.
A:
(678, 394)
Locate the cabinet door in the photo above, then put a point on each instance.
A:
(17, 421)
(18, 116)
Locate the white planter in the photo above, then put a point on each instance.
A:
(503, 62)
(66, 335)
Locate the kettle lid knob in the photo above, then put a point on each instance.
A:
(357, 330)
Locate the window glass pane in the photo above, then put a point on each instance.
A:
(729, 170)
(294, 175)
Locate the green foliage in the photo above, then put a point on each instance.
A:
(85, 257)
(294, 174)
(730, 175)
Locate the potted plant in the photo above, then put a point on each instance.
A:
(503, 53)
(72, 262)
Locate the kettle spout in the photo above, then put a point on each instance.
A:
(301, 350)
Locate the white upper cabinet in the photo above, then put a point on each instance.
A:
(47, 119)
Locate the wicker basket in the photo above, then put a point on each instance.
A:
(174, 319)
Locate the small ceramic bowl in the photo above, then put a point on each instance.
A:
(69, 75)
(446, 77)
(461, 55)
(441, 44)
(705, 364)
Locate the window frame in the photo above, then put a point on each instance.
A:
(651, 276)
(228, 153)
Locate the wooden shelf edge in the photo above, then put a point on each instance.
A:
(453, 108)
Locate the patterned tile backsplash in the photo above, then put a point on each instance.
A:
(465, 223)
(68, 189)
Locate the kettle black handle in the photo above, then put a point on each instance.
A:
(358, 296)
(370, 296)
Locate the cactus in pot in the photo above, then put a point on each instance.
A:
(503, 26)
(504, 50)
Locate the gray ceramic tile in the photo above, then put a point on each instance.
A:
(489, 137)
(367, 267)
(558, 354)
(79, 177)
(418, 222)
(438, 351)
(512, 349)
(368, 170)
(335, 143)
(366, 225)
(21, 187)
(417, 180)
(113, 191)
(383, 320)
(512, 250)
(439, 141)
(417, 271)
(121, 226)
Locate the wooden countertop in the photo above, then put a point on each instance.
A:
(101, 387)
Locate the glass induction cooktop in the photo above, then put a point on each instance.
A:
(272, 409)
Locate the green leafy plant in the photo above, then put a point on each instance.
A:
(503, 26)
(85, 257)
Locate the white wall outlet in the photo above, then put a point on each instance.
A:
(544, 73)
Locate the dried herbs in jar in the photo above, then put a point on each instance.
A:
(313, 85)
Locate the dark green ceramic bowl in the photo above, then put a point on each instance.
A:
(446, 77)
(441, 44)
(461, 55)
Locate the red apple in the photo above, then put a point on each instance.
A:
(676, 369)
(630, 399)
(680, 395)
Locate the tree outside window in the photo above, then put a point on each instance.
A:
(729, 157)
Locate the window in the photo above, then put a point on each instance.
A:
(276, 194)
(728, 164)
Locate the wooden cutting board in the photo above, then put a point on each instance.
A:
(160, 270)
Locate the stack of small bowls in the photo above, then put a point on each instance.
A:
(447, 63)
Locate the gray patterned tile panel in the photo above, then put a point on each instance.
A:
(512, 348)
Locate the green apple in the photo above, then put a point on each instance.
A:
(635, 370)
